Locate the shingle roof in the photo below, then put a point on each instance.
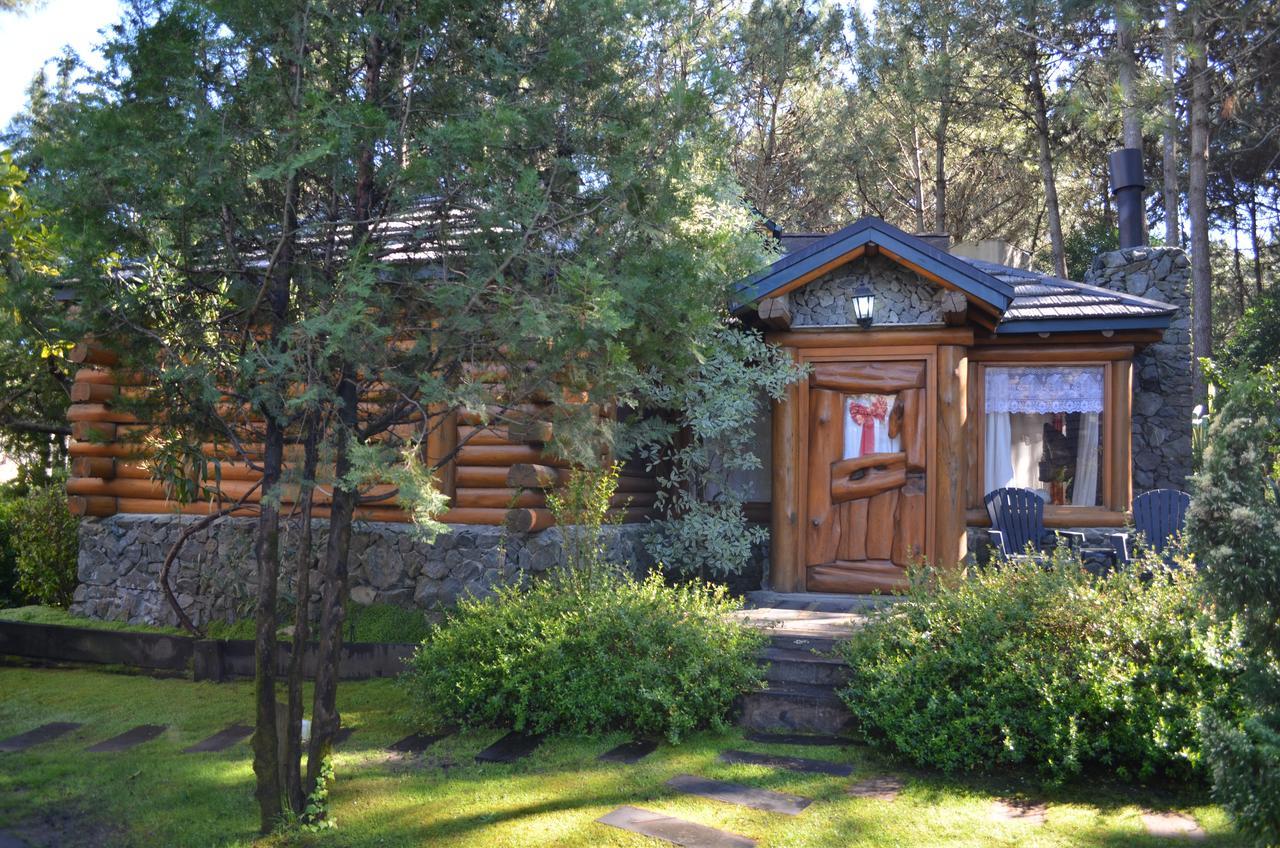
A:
(1037, 302)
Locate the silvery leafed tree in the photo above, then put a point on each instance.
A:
(308, 228)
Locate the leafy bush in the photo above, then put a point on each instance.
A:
(10, 596)
(46, 545)
(1047, 668)
(583, 655)
(1234, 528)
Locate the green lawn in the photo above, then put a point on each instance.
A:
(156, 796)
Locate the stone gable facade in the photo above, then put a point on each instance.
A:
(902, 296)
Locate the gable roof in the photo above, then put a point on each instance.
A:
(1025, 301)
(912, 251)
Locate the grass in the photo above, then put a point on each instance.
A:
(154, 795)
(372, 623)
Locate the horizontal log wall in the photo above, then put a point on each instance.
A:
(501, 475)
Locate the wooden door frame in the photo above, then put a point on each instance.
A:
(789, 513)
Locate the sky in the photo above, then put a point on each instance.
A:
(28, 39)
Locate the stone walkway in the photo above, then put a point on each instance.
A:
(513, 746)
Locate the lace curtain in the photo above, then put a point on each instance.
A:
(1043, 390)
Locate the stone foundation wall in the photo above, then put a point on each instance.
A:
(214, 576)
(1163, 389)
(902, 296)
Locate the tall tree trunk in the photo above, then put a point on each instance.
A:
(1128, 72)
(266, 741)
(325, 718)
(1172, 229)
(1237, 265)
(1198, 202)
(1040, 110)
(301, 620)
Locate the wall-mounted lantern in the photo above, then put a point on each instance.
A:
(864, 305)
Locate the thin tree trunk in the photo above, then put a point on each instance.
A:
(1197, 203)
(1253, 239)
(1035, 88)
(301, 621)
(266, 743)
(1172, 229)
(1237, 265)
(325, 719)
(918, 167)
(940, 167)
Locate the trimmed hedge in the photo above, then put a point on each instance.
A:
(1045, 668)
(585, 655)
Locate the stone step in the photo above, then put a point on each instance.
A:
(808, 644)
(801, 707)
(789, 665)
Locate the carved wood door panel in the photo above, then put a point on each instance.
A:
(868, 430)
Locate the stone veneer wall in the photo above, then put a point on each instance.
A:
(214, 576)
(1162, 373)
(902, 296)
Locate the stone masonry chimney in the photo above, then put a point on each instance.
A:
(1162, 373)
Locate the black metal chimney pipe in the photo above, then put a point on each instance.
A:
(1127, 184)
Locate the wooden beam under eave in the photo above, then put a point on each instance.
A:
(929, 275)
(843, 259)
(775, 312)
(786, 574)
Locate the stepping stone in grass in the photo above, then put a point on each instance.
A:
(1172, 825)
(128, 739)
(416, 743)
(221, 740)
(796, 739)
(631, 752)
(38, 736)
(1017, 809)
(510, 748)
(677, 831)
(745, 796)
(882, 788)
(790, 763)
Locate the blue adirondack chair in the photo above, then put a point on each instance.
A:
(1017, 519)
(1158, 517)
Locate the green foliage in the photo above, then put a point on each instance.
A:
(585, 655)
(1044, 668)
(707, 450)
(10, 596)
(580, 509)
(45, 544)
(1084, 243)
(315, 814)
(1234, 528)
(1255, 342)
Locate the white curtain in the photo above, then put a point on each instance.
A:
(1085, 492)
(855, 410)
(1013, 449)
(997, 457)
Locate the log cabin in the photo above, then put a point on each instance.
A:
(936, 373)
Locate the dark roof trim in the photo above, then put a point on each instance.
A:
(1081, 325)
(971, 280)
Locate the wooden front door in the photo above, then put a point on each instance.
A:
(866, 474)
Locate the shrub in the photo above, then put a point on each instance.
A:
(584, 655)
(1234, 528)
(1046, 668)
(9, 594)
(45, 543)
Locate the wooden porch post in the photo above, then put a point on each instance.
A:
(950, 534)
(786, 573)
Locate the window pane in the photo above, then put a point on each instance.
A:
(1042, 432)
